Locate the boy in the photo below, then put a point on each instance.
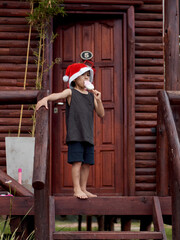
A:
(80, 105)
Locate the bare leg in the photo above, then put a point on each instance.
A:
(76, 168)
(84, 178)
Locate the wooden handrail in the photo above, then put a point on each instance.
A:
(13, 186)
(172, 134)
(41, 147)
(168, 153)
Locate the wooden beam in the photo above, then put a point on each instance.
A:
(16, 205)
(108, 235)
(174, 97)
(133, 206)
(13, 186)
(120, 2)
(171, 41)
(18, 97)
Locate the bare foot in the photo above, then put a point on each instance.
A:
(90, 195)
(80, 194)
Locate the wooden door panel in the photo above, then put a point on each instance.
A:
(102, 36)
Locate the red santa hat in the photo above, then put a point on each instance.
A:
(75, 70)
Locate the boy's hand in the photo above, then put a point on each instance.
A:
(97, 95)
(42, 102)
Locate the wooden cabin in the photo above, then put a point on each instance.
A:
(135, 46)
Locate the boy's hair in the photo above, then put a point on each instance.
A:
(73, 84)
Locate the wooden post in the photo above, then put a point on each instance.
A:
(131, 103)
(41, 176)
(171, 39)
(162, 156)
(175, 210)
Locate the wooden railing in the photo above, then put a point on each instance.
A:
(40, 173)
(11, 98)
(168, 153)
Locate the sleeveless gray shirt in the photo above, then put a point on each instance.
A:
(80, 117)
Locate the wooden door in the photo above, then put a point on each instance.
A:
(102, 35)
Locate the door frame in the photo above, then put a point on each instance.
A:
(129, 81)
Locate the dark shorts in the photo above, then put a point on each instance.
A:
(81, 152)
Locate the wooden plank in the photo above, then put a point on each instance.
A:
(17, 36)
(14, 4)
(146, 108)
(146, 116)
(149, 78)
(171, 41)
(15, 67)
(148, 24)
(149, 85)
(148, 39)
(148, 17)
(145, 171)
(13, 21)
(157, 217)
(145, 131)
(109, 205)
(152, 8)
(149, 62)
(148, 54)
(146, 92)
(145, 147)
(149, 70)
(145, 163)
(146, 179)
(104, 2)
(18, 97)
(149, 46)
(11, 13)
(148, 31)
(16, 205)
(146, 100)
(145, 186)
(147, 156)
(108, 235)
(16, 59)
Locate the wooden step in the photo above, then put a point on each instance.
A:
(107, 205)
(108, 235)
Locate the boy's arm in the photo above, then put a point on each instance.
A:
(53, 97)
(99, 108)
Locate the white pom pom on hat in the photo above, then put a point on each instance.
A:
(75, 70)
(65, 78)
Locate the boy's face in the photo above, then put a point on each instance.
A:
(80, 80)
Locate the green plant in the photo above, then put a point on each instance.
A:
(40, 17)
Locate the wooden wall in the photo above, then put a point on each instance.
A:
(13, 44)
(148, 80)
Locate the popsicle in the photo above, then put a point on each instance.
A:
(88, 85)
